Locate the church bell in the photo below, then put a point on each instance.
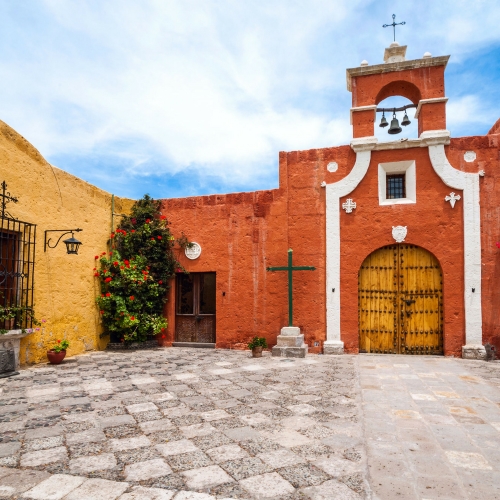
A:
(406, 121)
(394, 128)
(383, 121)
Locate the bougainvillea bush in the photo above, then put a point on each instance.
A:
(134, 276)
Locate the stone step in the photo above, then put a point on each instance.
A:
(290, 352)
(289, 341)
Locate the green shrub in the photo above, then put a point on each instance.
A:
(258, 342)
(135, 275)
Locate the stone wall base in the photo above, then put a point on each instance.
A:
(290, 352)
(333, 347)
(473, 351)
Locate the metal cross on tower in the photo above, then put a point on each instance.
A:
(290, 268)
(394, 24)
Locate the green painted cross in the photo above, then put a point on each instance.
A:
(290, 268)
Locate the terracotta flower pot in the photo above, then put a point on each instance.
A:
(257, 352)
(56, 357)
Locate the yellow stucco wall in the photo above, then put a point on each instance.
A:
(65, 287)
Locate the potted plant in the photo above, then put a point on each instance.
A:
(57, 353)
(256, 345)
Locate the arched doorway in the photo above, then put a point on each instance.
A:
(400, 302)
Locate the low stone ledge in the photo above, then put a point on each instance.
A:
(473, 351)
(134, 346)
(333, 347)
(12, 340)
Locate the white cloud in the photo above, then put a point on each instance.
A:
(222, 85)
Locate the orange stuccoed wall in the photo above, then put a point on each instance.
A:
(242, 234)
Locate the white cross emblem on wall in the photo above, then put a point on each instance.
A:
(349, 205)
(452, 198)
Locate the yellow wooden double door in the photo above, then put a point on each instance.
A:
(400, 302)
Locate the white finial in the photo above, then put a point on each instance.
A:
(364, 62)
(394, 44)
(427, 55)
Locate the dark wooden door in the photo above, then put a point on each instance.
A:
(195, 308)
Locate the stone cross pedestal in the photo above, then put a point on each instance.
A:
(290, 343)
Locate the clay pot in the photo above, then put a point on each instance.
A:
(257, 352)
(56, 357)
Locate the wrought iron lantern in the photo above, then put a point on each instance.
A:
(72, 244)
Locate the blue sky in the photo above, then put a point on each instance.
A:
(178, 98)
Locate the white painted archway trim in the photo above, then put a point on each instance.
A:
(469, 183)
(334, 191)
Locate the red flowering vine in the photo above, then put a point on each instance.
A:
(134, 276)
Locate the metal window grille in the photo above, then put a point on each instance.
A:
(395, 186)
(17, 265)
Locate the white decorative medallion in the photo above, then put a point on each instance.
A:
(349, 205)
(333, 166)
(193, 252)
(452, 198)
(399, 233)
(469, 156)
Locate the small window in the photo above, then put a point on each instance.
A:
(395, 186)
(397, 183)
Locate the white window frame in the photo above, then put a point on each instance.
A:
(397, 167)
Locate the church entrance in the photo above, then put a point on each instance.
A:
(400, 302)
(195, 308)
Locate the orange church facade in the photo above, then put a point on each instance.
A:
(414, 271)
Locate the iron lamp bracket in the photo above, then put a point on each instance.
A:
(46, 243)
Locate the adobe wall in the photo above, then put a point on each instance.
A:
(240, 235)
(65, 288)
(487, 149)
(414, 84)
(432, 224)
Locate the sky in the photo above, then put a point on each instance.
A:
(177, 98)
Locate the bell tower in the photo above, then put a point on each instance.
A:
(419, 80)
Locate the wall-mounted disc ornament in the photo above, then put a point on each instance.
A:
(193, 251)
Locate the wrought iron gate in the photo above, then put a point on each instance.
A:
(17, 265)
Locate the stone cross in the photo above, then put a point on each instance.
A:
(290, 268)
(394, 24)
(349, 205)
(452, 198)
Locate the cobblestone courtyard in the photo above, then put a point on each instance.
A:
(200, 424)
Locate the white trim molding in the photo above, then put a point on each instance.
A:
(469, 184)
(363, 148)
(429, 101)
(364, 108)
(397, 167)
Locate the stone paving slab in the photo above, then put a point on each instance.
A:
(182, 423)
(190, 424)
(431, 427)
